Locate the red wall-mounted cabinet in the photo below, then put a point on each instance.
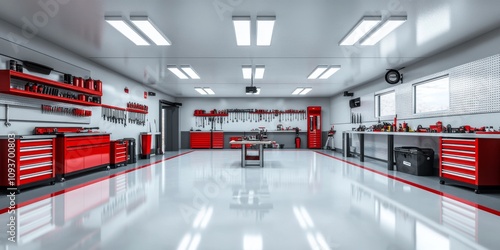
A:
(314, 127)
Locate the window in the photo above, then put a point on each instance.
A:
(432, 95)
(385, 104)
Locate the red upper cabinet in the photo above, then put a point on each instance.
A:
(314, 127)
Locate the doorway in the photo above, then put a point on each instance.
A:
(169, 124)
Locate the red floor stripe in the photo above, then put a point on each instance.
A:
(66, 190)
(428, 189)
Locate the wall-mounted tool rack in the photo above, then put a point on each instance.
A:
(21, 84)
(114, 114)
(253, 115)
(137, 113)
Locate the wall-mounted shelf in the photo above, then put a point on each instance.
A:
(210, 115)
(137, 110)
(113, 107)
(48, 97)
(6, 87)
(6, 75)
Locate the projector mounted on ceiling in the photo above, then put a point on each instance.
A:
(251, 90)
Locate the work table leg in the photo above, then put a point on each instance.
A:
(390, 152)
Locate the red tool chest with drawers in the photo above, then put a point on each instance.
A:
(314, 127)
(470, 162)
(81, 152)
(217, 139)
(119, 153)
(27, 161)
(200, 139)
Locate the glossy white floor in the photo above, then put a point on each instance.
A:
(204, 200)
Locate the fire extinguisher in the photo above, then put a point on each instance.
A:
(297, 138)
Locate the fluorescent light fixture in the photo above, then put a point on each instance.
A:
(265, 26)
(190, 71)
(332, 70)
(361, 29)
(149, 29)
(305, 91)
(259, 71)
(317, 72)
(209, 91)
(297, 91)
(200, 90)
(247, 71)
(177, 72)
(256, 93)
(119, 24)
(387, 27)
(242, 30)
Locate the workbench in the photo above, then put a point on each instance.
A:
(254, 160)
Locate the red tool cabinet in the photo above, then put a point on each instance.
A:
(200, 139)
(119, 153)
(217, 139)
(314, 127)
(31, 158)
(81, 152)
(470, 162)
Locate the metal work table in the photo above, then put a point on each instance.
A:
(390, 141)
(247, 160)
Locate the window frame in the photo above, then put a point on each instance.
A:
(377, 103)
(414, 94)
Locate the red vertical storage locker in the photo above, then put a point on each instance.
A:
(218, 139)
(314, 127)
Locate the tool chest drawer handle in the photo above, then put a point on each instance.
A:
(41, 140)
(34, 157)
(467, 176)
(28, 176)
(463, 158)
(458, 145)
(459, 151)
(455, 165)
(37, 165)
(459, 140)
(35, 148)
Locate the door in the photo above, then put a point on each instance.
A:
(169, 126)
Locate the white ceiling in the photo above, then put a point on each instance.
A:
(306, 34)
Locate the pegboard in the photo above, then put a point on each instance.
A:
(473, 90)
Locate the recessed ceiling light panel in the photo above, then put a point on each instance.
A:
(259, 71)
(265, 26)
(297, 91)
(317, 72)
(209, 91)
(247, 71)
(387, 27)
(305, 91)
(200, 90)
(119, 24)
(150, 30)
(190, 72)
(177, 72)
(329, 72)
(365, 25)
(242, 30)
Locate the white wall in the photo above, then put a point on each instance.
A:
(191, 104)
(479, 48)
(113, 85)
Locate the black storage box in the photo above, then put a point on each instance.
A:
(132, 158)
(415, 161)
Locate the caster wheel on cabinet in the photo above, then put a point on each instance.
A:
(441, 182)
(52, 183)
(477, 191)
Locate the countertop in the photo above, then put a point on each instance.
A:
(82, 134)
(28, 137)
(250, 142)
(447, 135)
(256, 131)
